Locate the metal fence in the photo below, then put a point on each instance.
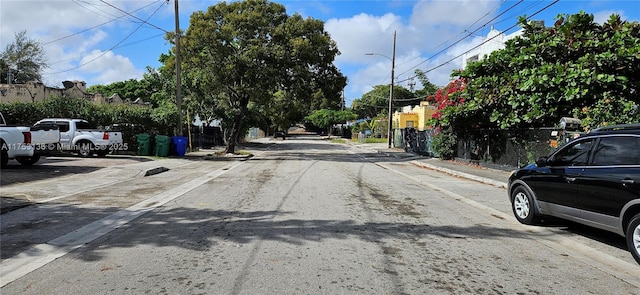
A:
(496, 148)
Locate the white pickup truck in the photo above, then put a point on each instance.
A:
(78, 135)
(26, 144)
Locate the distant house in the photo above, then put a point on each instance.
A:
(37, 91)
(414, 116)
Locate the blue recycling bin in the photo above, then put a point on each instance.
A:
(180, 143)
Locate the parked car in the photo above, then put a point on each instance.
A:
(26, 144)
(280, 134)
(80, 136)
(593, 180)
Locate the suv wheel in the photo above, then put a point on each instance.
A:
(523, 206)
(633, 237)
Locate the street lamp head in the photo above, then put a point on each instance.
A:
(369, 53)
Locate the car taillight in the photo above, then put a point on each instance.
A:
(27, 137)
(105, 136)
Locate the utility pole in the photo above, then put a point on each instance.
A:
(393, 65)
(178, 80)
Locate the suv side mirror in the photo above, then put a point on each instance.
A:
(542, 161)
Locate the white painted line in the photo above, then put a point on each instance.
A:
(39, 255)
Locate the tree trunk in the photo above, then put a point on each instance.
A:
(236, 126)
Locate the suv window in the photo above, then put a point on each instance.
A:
(618, 150)
(576, 154)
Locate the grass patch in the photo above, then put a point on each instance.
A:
(375, 140)
(337, 140)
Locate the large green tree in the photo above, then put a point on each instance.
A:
(376, 101)
(576, 68)
(24, 58)
(326, 118)
(239, 55)
(131, 89)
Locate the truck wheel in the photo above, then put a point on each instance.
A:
(28, 161)
(4, 157)
(85, 149)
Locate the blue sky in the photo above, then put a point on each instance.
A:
(104, 41)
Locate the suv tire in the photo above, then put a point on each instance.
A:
(523, 206)
(633, 237)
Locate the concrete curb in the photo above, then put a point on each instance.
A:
(152, 171)
(462, 174)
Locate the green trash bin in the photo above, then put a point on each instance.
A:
(162, 145)
(144, 144)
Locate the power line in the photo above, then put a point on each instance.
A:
(102, 24)
(454, 58)
(521, 11)
(84, 5)
(113, 47)
(143, 21)
(460, 40)
(117, 47)
(452, 37)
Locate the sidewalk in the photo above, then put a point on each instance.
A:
(498, 178)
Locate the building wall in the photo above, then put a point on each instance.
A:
(496, 42)
(37, 91)
(418, 115)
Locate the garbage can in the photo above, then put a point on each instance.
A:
(144, 144)
(162, 145)
(180, 143)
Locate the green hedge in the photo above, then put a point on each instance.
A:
(131, 120)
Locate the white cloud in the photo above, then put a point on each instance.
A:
(431, 25)
(602, 17)
(361, 34)
(70, 33)
(109, 67)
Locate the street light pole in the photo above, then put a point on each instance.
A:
(393, 66)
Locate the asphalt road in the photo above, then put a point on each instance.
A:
(301, 217)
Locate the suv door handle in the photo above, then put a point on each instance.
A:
(570, 179)
(626, 182)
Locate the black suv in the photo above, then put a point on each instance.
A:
(593, 180)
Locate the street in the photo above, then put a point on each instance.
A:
(302, 216)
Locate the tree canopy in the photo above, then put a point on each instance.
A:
(428, 88)
(376, 101)
(131, 89)
(326, 118)
(238, 55)
(577, 68)
(24, 58)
